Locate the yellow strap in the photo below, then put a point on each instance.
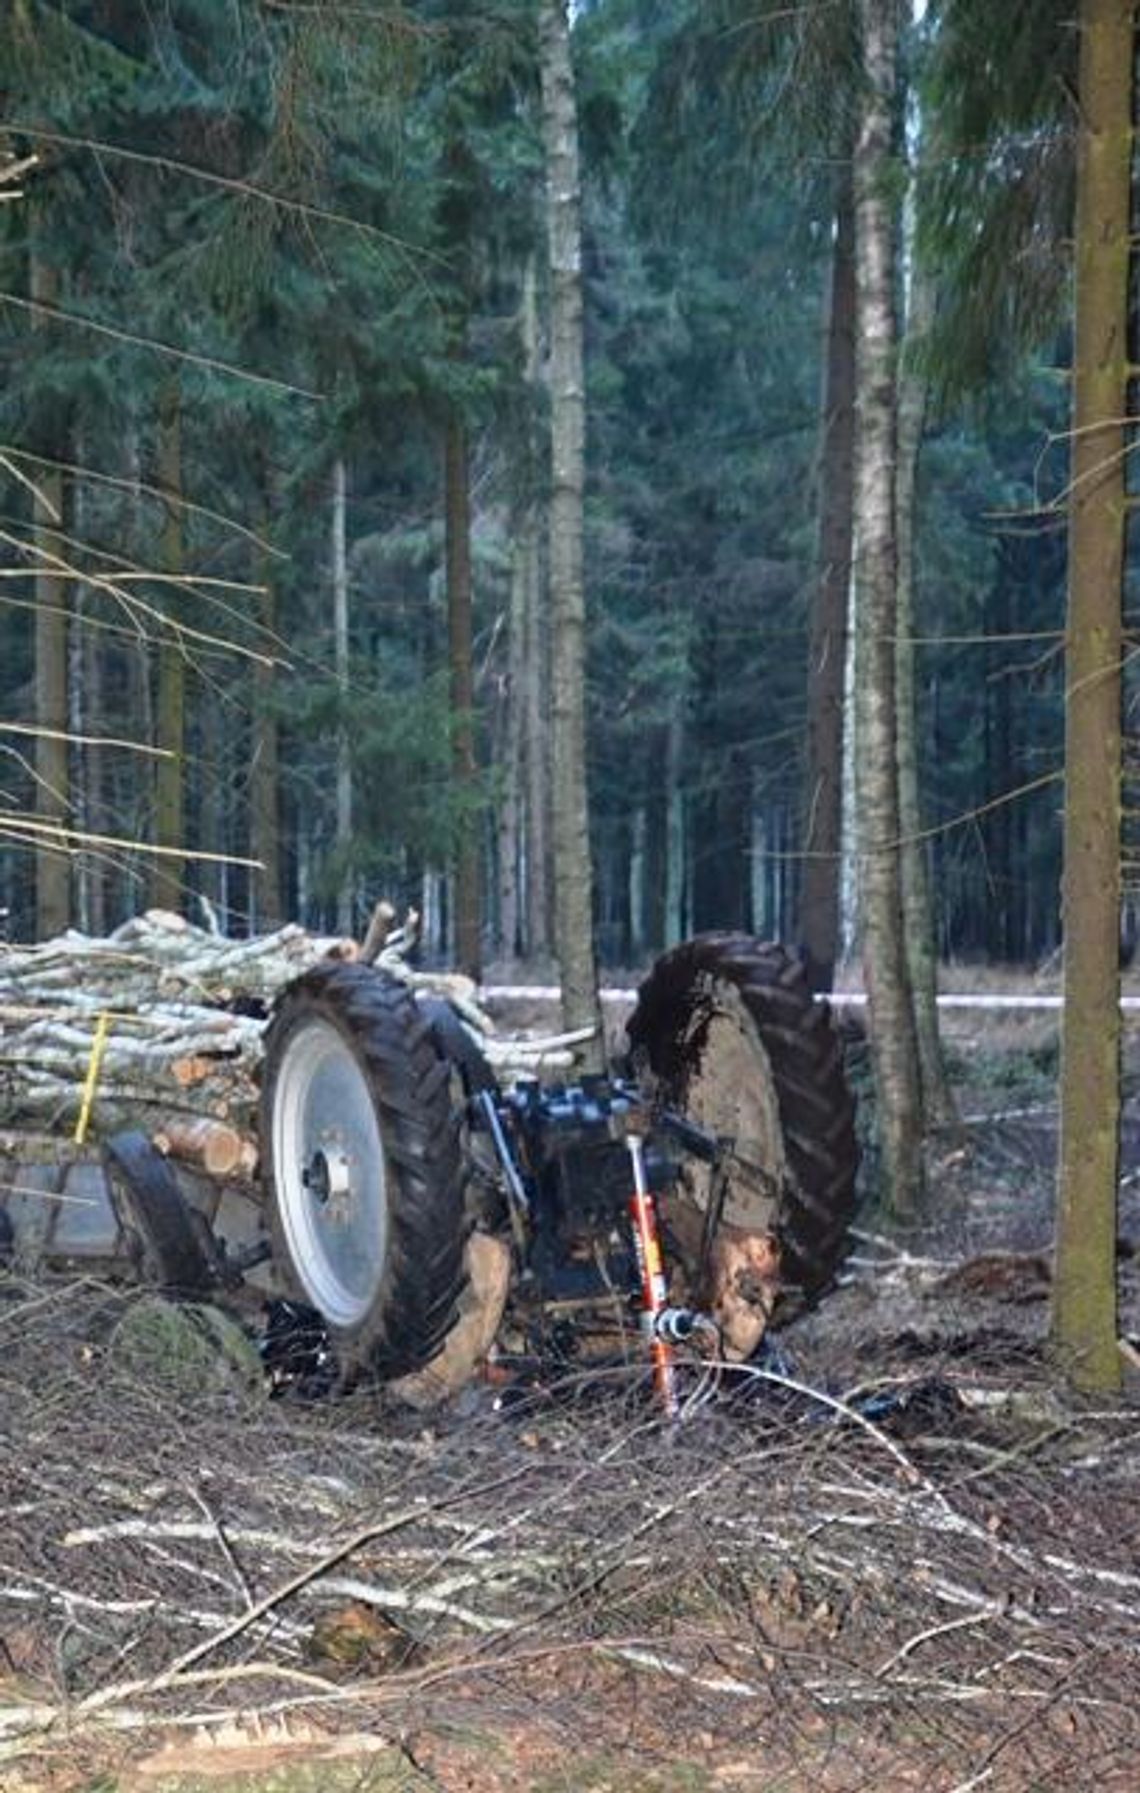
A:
(98, 1047)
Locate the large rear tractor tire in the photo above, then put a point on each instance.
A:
(363, 1168)
(727, 1032)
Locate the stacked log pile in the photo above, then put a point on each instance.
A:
(144, 1015)
(160, 1026)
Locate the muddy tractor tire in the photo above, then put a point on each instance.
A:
(726, 1032)
(363, 1168)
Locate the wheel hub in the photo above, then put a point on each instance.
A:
(328, 1178)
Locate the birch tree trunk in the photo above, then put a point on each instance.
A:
(655, 857)
(573, 877)
(893, 1042)
(53, 869)
(345, 917)
(536, 841)
(211, 767)
(81, 720)
(533, 695)
(512, 806)
(822, 827)
(464, 771)
(510, 753)
(87, 717)
(52, 798)
(1084, 1288)
(264, 817)
(938, 1104)
(93, 902)
(166, 880)
(132, 794)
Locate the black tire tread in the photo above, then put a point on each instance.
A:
(423, 1277)
(815, 1105)
(147, 1203)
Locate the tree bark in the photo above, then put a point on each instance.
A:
(573, 877)
(938, 1104)
(88, 709)
(655, 863)
(822, 828)
(345, 905)
(264, 817)
(720, 805)
(53, 795)
(1084, 1288)
(893, 1042)
(167, 872)
(537, 754)
(533, 692)
(464, 770)
(512, 804)
(677, 900)
(211, 759)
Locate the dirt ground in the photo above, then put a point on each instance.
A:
(897, 1554)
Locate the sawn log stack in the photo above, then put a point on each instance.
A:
(161, 1024)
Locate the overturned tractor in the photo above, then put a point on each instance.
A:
(414, 1215)
(424, 1210)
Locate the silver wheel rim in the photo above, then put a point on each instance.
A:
(329, 1174)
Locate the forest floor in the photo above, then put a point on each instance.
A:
(903, 1557)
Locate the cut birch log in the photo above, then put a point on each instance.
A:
(216, 1148)
(192, 1069)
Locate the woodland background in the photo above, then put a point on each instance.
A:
(274, 298)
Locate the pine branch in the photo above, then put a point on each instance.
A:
(211, 362)
(229, 183)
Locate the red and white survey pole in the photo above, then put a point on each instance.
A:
(651, 1269)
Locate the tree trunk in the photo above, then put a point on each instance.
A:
(81, 721)
(720, 803)
(464, 770)
(655, 869)
(53, 795)
(677, 905)
(89, 712)
(345, 906)
(531, 695)
(893, 1042)
(210, 760)
(1084, 1289)
(536, 839)
(822, 829)
(512, 804)
(96, 788)
(573, 879)
(938, 1104)
(167, 876)
(264, 818)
